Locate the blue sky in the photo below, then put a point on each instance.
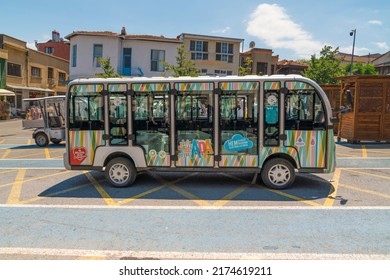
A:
(292, 29)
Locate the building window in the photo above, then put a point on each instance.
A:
(50, 72)
(224, 52)
(97, 53)
(199, 50)
(157, 58)
(62, 77)
(35, 72)
(14, 69)
(74, 55)
(223, 73)
(49, 50)
(262, 68)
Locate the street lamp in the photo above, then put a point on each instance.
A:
(352, 33)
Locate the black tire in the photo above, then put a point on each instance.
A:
(41, 139)
(120, 172)
(278, 173)
(56, 141)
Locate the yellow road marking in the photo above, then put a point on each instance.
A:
(365, 191)
(47, 154)
(55, 193)
(29, 142)
(7, 152)
(2, 141)
(127, 200)
(366, 173)
(364, 151)
(190, 196)
(36, 178)
(335, 183)
(293, 197)
(16, 189)
(231, 195)
(107, 198)
(7, 171)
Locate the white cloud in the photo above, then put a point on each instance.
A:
(272, 24)
(357, 50)
(375, 22)
(221, 31)
(382, 45)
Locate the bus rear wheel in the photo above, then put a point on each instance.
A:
(278, 173)
(120, 172)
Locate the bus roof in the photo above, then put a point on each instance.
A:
(188, 79)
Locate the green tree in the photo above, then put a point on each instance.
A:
(246, 69)
(326, 68)
(183, 67)
(108, 71)
(360, 69)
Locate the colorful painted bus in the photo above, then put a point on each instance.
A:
(274, 126)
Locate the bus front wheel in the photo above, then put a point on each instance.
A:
(278, 173)
(120, 172)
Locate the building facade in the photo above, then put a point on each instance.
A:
(57, 46)
(30, 73)
(382, 64)
(263, 62)
(130, 55)
(213, 55)
(286, 67)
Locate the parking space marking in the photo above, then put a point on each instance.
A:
(335, 183)
(2, 141)
(16, 189)
(29, 142)
(364, 151)
(6, 153)
(130, 199)
(7, 171)
(26, 155)
(47, 154)
(36, 178)
(106, 197)
(230, 196)
(366, 173)
(281, 193)
(365, 191)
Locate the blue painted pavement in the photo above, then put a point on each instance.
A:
(224, 230)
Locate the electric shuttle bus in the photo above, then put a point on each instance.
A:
(274, 126)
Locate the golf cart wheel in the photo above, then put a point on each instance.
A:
(120, 172)
(56, 141)
(278, 173)
(41, 139)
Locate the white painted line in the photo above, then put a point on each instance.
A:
(136, 207)
(112, 254)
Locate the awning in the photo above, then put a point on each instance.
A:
(30, 88)
(4, 92)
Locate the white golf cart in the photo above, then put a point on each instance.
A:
(47, 116)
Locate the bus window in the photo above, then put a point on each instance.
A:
(86, 107)
(303, 108)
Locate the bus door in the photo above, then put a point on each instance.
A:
(305, 124)
(86, 123)
(271, 127)
(117, 112)
(151, 124)
(238, 117)
(194, 125)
